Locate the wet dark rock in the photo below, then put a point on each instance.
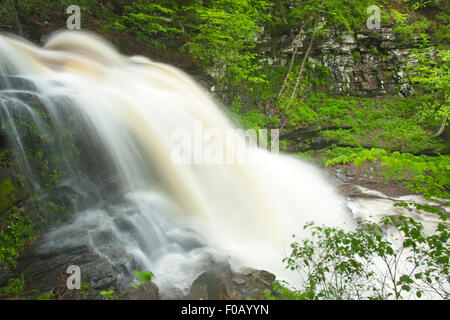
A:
(187, 239)
(356, 62)
(124, 224)
(103, 283)
(14, 82)
(239, 281)
(225, 284)
(147, 291)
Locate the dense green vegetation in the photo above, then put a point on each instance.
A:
(422, 174)
(24, 214)
(367, 263)
(405, 135)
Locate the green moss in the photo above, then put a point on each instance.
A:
(357, 56)
(406, 32)
(441, 34)
(427, 174)
(16, 237)
(8, 194)
(389, 74)
(14, 287)
(5, 158)
(390, 123)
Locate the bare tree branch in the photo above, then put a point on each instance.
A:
(294, 90)
(299, 36)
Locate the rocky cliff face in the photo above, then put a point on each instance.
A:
(368, 63)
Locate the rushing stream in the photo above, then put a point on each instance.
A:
(137, 207)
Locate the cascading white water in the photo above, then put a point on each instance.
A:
(132, 107)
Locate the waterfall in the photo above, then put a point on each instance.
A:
(135, 205)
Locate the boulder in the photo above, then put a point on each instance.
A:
(230, 285)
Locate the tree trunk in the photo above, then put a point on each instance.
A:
(299, 36)
(442, 128)
(294, 91)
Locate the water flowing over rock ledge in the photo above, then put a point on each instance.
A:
(45, 273)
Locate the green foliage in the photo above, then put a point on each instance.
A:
(399, 18)
(93, 8)
(356, 156)
(389, 123)
(47, 296)
(5, 158)
(406, 31)
(221, 34)
(16, 237)
(441, 34)
(21, 226)
(306, 155)
(430, 175)
(337, 13)
(311, 106)
(282, 291)
(224, 37)
(9, 193)
(143, 278)
(44, 149)
(108, 294)
(14, 287)
(413, 5)
(149, 22)
(357, 56)
(252, 119)
(53, 179)
(366, 263)
(422, 174)
(357, 122)
(15, 13)
(332, 262)
(431, 75)
(85, 287)
(392, 123)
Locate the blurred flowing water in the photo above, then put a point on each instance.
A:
(135, 206)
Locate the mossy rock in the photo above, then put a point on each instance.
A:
(9, 194)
